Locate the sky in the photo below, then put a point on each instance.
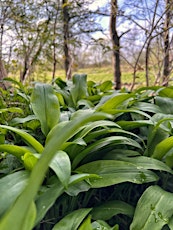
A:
(98, 3)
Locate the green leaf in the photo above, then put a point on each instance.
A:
(113, 102)
(73, 220)
(62, 84)
(148, 163)
(115, 172)
(129, 125)
(57, 137)
(26, 224)
(45, 106)
(30, 218)
(29, 160)
(170, 224)
(158, 132)
(79, 90)
(154, 209)
(165, 104)
(10, 188)
(86, 225)
(27, 137)
(21, 86)
(111, 208)
(106, 86)
(102, 225)
(148, 107)
(102, 143)
(162, 148)
(11, 110)
(78, 184)
(89, 127)
(14, 150)
(47, 197)
(62, 167)
(20, 120)
(75, 189)
(166, 92)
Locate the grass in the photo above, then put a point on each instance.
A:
(96, 74)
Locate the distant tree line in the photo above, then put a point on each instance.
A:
(69, 34)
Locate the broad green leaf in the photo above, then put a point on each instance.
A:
(170, 224)
(114, 102)
(29, 160)
(30, 218)
(61, 165)
(94, 98)
(78, 184)
(62, 84)
(89, 127)
(120, 154)
(47, 197)
(57, 137)
(10, 188)
(129, 125)
(111, 208)
(115, 172)
(148, 163)
(106, 86)
(79, 89)
(155, 136)
(74, 179)
(158, 132)
(166, 92)
(162, 148)
(73, 220)
(102, 225)
(110, 131)
(45, 106)
(75, 189)
(102, 143)
(26, 136)
(85, 103)
(18, 83)
(148, 107)
(154, 209)
(20, 120)
(86, 225)
(24, 224)
(165, 104)
(11, 110)
(14, 150)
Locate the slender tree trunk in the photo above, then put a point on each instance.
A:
(147, 63)
(25, 72)
(116, 44)
(67, 57)
(166, 64)
(3, 74)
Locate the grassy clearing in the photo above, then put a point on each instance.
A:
(96, 74)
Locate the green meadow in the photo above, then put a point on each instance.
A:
(96, 74)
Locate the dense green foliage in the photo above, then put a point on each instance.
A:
(79, 155)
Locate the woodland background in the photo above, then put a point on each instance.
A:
(44, 36)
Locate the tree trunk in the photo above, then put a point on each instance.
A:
(3, 74)
(147, 63)
(67, 57)
(166, 65)
(116, 44)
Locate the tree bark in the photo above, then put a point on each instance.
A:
(166, 64)
(67, 57)
(115, 39)
(3, 74)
